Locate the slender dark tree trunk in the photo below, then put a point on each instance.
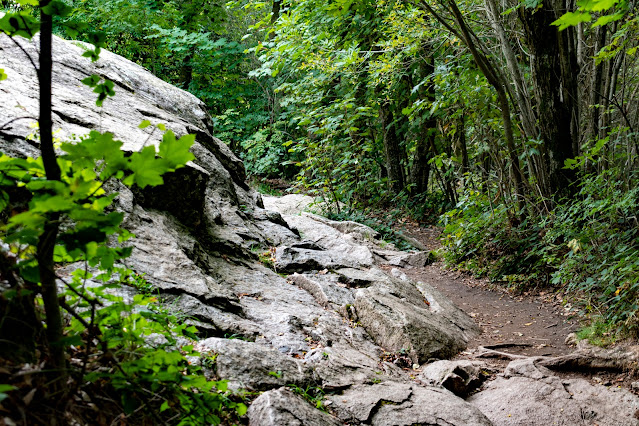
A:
(275, 15)
(496, 80)
(421, 169)
(275, 11)
(553, 66)
(524, 103)
(460, 143)
(596, 84)
(46, 242)
(391, 147)
(186, 72)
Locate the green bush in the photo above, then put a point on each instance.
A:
(144, 359)
(588, 246)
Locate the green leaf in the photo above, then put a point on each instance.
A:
(571, 19)
(176, 152)
(3, 76)
(73, 29)
(147, 170)
(164, 406)
(241, 409)
(144, 124)
(57, 8)
(98, 39)
(91, 81)
(4, 389)
(19, 24)
(94, 55)
(604, 20)
(47, 203)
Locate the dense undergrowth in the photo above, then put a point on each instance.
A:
(587, 247)
(135, 364)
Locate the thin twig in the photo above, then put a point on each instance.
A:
(16, 119)
(35, 67)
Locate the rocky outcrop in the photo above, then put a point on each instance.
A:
(282, 407)
(399, 315)
(529, 394)
(404, 404)
(327, 310)
(254, 366)
(460, 377)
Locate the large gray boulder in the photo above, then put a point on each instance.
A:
(249, 365)
(210, 194)
(282, 407)
(531, 395)
(196, 240)
(403, 317)
(404, 404)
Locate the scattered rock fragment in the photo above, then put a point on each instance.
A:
(460, 377)
(281, 407)
(529, 394)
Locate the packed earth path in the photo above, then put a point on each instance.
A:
(534, 323)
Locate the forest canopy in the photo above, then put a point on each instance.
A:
(511, 124)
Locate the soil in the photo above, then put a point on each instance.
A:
(524, 325)
(531, 324)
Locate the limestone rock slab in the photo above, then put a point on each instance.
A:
(282, 407)
(404, 404)
(400, 318)
(528, 394)
(461, 377)
(249, 365)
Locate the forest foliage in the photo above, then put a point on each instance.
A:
(112, 357)
(513, 123)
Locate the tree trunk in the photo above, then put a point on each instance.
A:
(596, 84)
(526, 113)
(275, 15)
(391, 147)
(46, 242)
(421, 169)
(553, 69)
(460, 143)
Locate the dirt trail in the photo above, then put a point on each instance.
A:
(534, 324)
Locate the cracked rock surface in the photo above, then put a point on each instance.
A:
(529, 394)
(322, 311)
(396, 403)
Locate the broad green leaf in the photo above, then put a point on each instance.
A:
(19, 24)
(176, 152)
(571, 19)
(48, 203)
(57, 8)
(91, 81)
(241, 409)
(147, 170)
(144, 124)
(604, 20)
(97, 38)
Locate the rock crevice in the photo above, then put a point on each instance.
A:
(336, 319)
